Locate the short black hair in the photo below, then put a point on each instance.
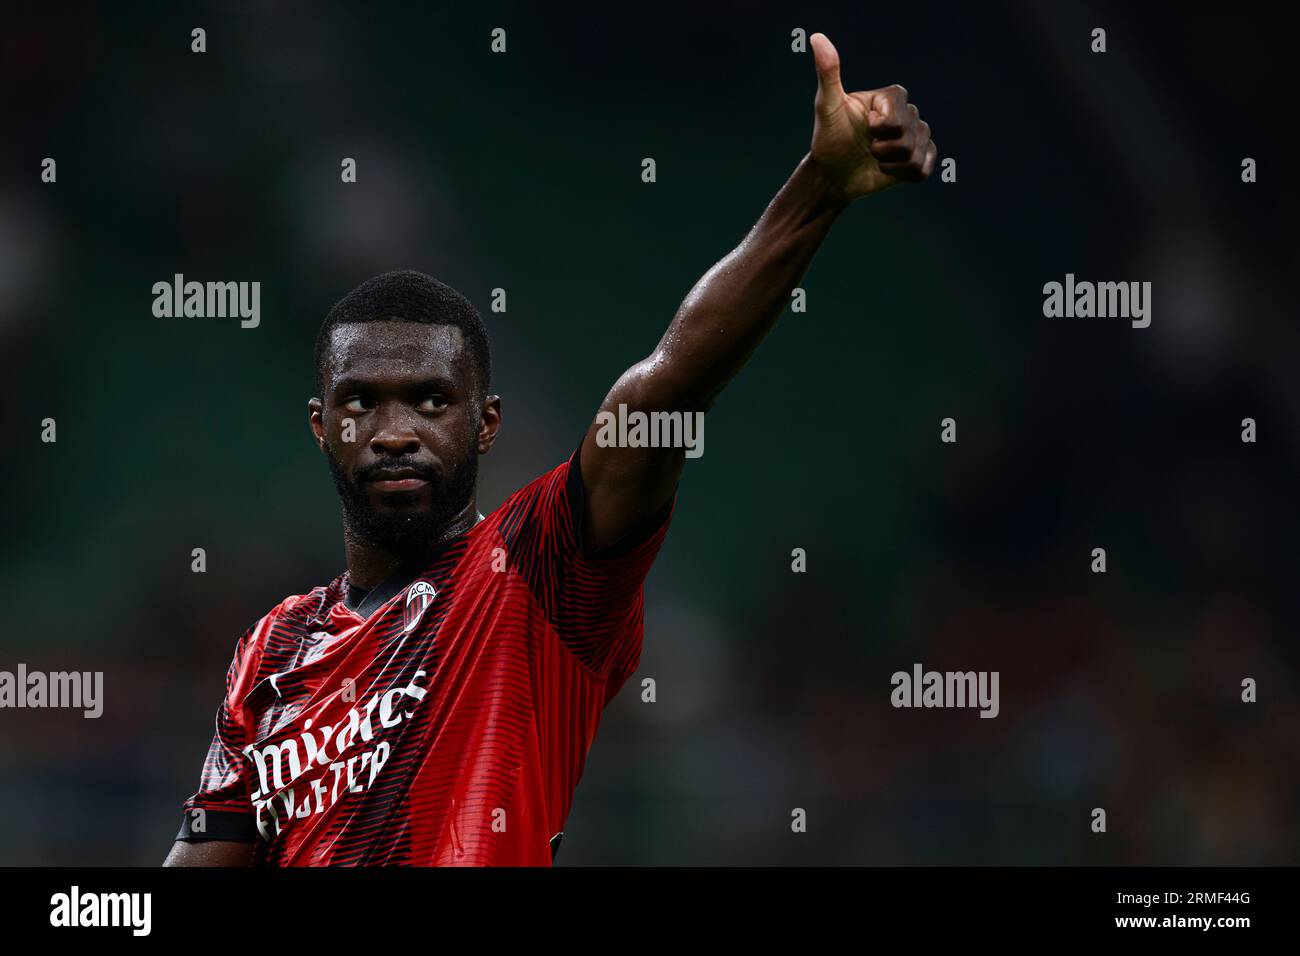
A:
(408, 296)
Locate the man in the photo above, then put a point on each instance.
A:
(434, 704)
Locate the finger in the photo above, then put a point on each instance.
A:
(866, 104)
(897, 150)
(931, 157)
(890, 108)
(878, 126)
(917, 166)
(913, 169)
(921, 151)
(922, 141)
(830, 94)
(909, 150)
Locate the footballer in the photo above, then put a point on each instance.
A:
(434, 704)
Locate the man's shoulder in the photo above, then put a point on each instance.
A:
(299, 610)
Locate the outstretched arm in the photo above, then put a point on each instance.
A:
(862, 143)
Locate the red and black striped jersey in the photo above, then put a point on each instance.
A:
(451, 725)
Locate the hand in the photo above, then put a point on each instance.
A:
(865, 142)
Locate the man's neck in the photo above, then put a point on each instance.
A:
(370, 565)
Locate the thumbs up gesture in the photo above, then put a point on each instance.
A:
(868, 141)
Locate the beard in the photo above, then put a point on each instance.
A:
(406, 533)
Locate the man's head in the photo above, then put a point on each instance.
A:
(402, 409)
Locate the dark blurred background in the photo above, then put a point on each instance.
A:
(522, 171)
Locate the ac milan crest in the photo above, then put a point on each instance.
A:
(420, 596)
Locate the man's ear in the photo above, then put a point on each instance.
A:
(489, 423)
(316, 422)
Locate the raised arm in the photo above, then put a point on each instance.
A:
(862, 143)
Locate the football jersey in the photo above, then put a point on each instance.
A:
(451, 725)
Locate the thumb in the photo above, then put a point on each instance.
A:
(829, 92)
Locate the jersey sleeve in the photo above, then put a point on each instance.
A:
(593, 599)
(221, 809)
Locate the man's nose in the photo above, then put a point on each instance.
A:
(394, 434)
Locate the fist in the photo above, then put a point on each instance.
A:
(868, 141)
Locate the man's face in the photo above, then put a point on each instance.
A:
(416, 430)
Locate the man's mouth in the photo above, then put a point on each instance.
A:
(391, 482)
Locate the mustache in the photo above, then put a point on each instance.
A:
(383, 469)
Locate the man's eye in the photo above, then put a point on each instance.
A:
(355, 404)
(434, 403)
